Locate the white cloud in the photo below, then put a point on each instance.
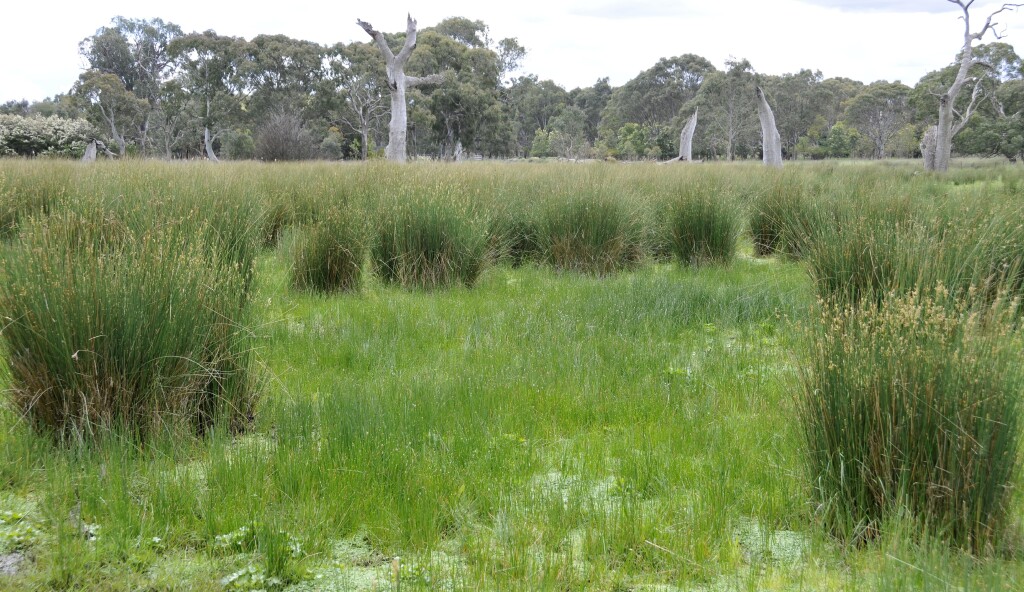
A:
(573, 42)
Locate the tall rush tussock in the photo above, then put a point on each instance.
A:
(703, 224)
(140, 330)
(429, 242)
(329, 256)
(912, 406)
(589, 233)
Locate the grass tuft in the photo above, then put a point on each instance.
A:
(913, 407)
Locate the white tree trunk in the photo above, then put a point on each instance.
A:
(686, 138)
(90, 152)
(398, 83)
(207, 136)
(771, 141)
(398, 129)
(117, 136)
(948, 126)
(208, 143)
(928, 145)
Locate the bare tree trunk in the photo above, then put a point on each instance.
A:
(113, 129)
(144, 134)
(948, 125)
(928, 145)
(90, 152)
(686, 138)
(398, 83)
(207, 137)
(208, 144)
(771, 141)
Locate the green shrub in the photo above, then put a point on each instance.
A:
(589, 234)
(329, 257)
(702, 226)
(43, 136)
(429, 243)
(134, 330)
(912, 407)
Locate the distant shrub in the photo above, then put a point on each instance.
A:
(591, 234)
(429, 243)
(114, 327)
(43, 136)
(913, 406)
(282, 138)
(238, 145)
(329, 256)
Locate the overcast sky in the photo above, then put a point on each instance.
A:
(573, 42)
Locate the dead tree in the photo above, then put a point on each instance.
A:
(937, 150)
(686, 138)
(771, 141)
(398, 84)
(90, 152)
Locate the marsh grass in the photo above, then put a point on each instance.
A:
(604, 431)
(329, 255)
(703, 224)
(596, 234)
(428, 243)
(777, 216)
(913, 406)
(113, 328)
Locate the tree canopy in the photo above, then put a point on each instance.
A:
(152, 89)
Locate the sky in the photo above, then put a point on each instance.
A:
(573, 42)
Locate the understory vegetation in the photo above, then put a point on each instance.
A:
(505, 377)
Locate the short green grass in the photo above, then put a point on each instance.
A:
(542, 430)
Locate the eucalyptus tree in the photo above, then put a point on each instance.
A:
(729, 107)
(469, 102)
(771, 142)
(592, 100)
(109, 105)
(937, 145)
(398, 84)
(281, 73)
(799, 98)
(533, 103)
(213, 77)
(656, 95)
(353, 92)
(136, 52)
(879, 112)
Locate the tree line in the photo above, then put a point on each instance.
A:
(153, 90)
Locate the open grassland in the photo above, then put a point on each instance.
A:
(518, 377)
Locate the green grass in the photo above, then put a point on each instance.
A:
(529, 429)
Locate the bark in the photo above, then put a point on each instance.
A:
(928, 147)
(398, 83)
(208, 137)
(208, 144)
(109, 116)
(90, 152)
(951, 122)
(771, 141)
(686, 138)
